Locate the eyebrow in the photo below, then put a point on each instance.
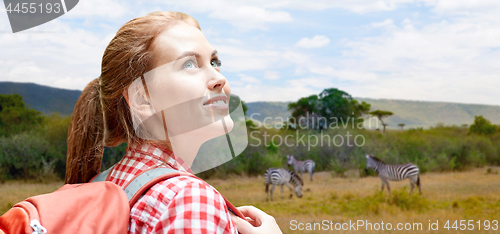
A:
(191, 53)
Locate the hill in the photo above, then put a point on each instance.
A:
(411, 113)
(261, 110)
(426, 114)
(43, 98)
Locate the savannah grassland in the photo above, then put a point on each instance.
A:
(470, 195)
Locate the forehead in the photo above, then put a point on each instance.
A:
(174, 41)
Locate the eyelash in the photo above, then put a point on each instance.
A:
(218, 62)
(195, 64)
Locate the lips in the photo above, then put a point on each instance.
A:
(219, 101)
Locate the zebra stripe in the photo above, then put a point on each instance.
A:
(301, 166)
(394, 172)
(280, 176)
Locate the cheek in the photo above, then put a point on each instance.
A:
(178, 91)
(227, 88)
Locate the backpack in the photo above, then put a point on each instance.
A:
(97, 207)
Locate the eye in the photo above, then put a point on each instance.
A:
(189, 64)
(216, 63)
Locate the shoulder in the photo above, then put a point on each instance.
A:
(182, 186)
(167, 190)
(181, 199)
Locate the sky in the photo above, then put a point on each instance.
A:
(428, 50)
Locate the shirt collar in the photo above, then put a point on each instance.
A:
(159, 153)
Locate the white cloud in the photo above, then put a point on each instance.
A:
(290, 91)
(252, 14)
(445, 61)
(104, 8)
(388, 23)
(315, 42)
(249, 79)
(272, 75)
(463, 6)
(236, 59)
(243, 15)
(357, 6)
(313, 82)
(66, 58)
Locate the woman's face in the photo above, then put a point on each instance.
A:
(186, 88)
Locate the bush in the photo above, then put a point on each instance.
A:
(23, 155)
(482, 126)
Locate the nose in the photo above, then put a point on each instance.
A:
(216, 81)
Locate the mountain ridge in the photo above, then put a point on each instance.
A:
(412, 113)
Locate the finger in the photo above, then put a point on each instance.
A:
(242, 225)
(253, 222)
(253, 213)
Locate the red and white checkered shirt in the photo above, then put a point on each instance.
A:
(180, 204)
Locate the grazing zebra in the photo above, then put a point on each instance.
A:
(301, 166)
(394, 172)
(280, 176)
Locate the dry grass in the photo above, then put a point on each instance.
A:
(467, 195)
(12, 192)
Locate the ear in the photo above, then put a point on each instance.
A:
(137, 100)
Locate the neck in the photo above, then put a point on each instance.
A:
(378, 164)
(294, 180)
(187, 145)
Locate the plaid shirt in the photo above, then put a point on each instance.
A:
(180, 204)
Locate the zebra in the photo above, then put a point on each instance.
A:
(394, 172)
(280, 176)
(301, 166)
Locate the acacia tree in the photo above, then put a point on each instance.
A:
(401, 125)
(380, 115)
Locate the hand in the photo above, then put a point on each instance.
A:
(257, 222)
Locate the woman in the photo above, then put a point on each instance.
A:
(106, 114)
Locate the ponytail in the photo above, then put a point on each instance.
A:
(85, 137)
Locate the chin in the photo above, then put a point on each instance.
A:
(216, 128)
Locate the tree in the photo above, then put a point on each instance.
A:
(401, 125)
(380, 115)
(482, 126)
(303, 106)
(330, 105)
(15, 117)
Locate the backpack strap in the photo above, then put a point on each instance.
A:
(102, 176)
(144, 181)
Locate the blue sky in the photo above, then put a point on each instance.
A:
(432, 50)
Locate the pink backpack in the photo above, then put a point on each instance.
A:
(97, 207)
